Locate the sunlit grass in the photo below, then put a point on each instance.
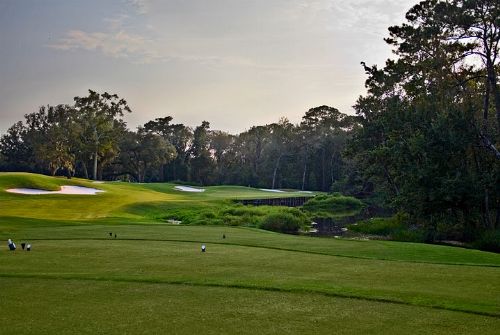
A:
(119, 199)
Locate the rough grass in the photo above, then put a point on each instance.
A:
(227, 213)
(380, 226)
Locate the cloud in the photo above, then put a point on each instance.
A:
(140, 6)
(371, 17)
(136, 48)
(186, 32)
(117, 21)
(118, 44)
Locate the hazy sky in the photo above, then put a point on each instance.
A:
(235, 63)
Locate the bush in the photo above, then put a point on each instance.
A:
(488, 241)
(409, 235)
(396, 228)
(229, 214)
(377, 226)
(283, 223)
(332, 204)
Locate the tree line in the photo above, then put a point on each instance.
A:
(89, 139)
(424, 140)
(430, 122)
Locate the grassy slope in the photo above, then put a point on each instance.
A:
(120, 199)
(247, 278)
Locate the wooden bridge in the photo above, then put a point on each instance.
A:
(289, 202)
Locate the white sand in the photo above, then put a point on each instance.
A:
(269, 190)
(305, 192)
(78, 190)
(189, 189)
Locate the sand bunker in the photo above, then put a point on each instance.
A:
(269, 190)
(189, 189)
(79, 190)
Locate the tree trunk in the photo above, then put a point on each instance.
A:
(323, 173)
(85, 171)
(304, 176)
(174, 169)
(486, 106)
(390, 180)
(276, 167)
(486, 204)
(492, 78)
(142, 174)
(497, 220)
(490, 146)
(95, 165)
(484, 207)
(162, 172)
(220, 175)
(188, 172)
(332, 170)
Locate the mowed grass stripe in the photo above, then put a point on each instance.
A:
(451, 287)
(104, 307)
(244, 287)
(269, 248)
(24, 229)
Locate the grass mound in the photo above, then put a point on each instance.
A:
(35, 181)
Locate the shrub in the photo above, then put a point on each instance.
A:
(409, 235)
(376, 226)
(284, 222)
(332, 204)
(488, 241)
(229, 214)
(396, 228)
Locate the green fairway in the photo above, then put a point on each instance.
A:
(153, 277)
(104, 307)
